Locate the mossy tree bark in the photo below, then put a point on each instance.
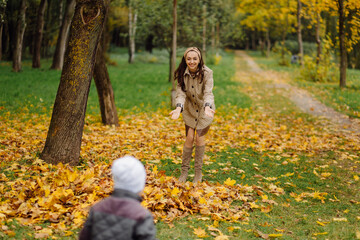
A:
(63, 141)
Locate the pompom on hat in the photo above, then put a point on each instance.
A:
(129, 174)
(195, 49)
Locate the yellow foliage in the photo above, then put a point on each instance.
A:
(230, 182)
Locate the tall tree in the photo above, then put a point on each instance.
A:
(317, 32)
(19, 37)
(1, 31)
(204, 32)
(173, 55)
(67, 122)
(132, 30)
(39, 34)
(58, 59)
(2, 16)
(299, 32)
(104, 88)
(342, 42)
(347, 13)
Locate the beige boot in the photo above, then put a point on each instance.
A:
(199, 156)
(186, 157)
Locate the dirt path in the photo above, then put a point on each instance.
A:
(301, 98)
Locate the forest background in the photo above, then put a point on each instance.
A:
(317, 40)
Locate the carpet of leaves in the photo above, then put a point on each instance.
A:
(34, 192)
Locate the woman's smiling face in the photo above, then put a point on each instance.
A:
(192, 61)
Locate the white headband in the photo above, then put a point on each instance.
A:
(192, 49)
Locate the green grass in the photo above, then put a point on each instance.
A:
(142, 85)
(297, 220)
(345, 100)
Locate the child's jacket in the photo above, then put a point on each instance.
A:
(119, 216)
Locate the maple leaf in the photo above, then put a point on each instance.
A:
(199, 232)
(175, 191)
(230, 182)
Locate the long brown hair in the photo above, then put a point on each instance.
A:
(179, 72)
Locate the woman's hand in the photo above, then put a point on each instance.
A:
(209, 112)
(175, 114)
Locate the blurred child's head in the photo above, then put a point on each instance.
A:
(129, 174)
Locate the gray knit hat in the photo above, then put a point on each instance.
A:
(129, 174)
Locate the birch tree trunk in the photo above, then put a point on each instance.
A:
(19, 37)
(173, 56)
(39, 34)
(299, 34)
(63, 140)
(132, 32)
(58, 59)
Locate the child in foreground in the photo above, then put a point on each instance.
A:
(121, 215)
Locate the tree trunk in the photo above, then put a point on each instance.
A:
(173, 56)
(268, 43)
(217, 44)
(253, 40)
(58, 59)
(38, 34)
(1, 31)
(284, 34)
(19, 37)
(132, 32)
(204, 33)
(343, 57)
(318, 40)
(299, 34)
(61, 6)
(213, 36)
(67, 122)
(104, 88)
(262, 46)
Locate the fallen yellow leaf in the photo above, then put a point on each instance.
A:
(229, 182)
(322, 223)
(199, 232)
(340, 219)
(322, 233)
(275, 235)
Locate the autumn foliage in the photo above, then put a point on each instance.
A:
(34, 192)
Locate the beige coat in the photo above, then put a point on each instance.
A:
(195, 97)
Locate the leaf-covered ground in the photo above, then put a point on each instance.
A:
(288, 147)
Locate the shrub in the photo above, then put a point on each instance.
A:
(213, 59)
(293, 47)
(326, 70)
(282, 54)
